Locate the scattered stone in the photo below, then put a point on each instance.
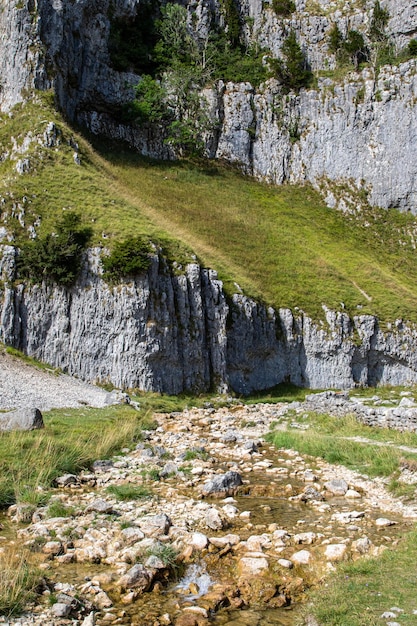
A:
(303, 557)
(102, 466)
(383, 522)
(60, 609)
(337, 486)
(66, 480)
(214, 520)
(100, 506)
(286, 563)
(155, 525)
(335, 552)
(199, 541)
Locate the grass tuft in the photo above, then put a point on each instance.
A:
(129, 492)
(18, 581)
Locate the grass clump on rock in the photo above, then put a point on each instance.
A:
(129, 492)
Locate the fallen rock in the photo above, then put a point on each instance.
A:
(223, 485)
(100, 506)
(337, 487)
(214, 520)
(137, 577)
(22, 419)
(335, 552)
(302, 557)
(250, 566)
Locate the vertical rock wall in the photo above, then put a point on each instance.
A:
(174, 333)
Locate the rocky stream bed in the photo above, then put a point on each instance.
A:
(232, 530)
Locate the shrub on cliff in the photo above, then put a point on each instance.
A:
(291, 70)
(412, 48)
(55, 256)
(130, 257)
(283, 8)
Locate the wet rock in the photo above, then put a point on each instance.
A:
(310, 494)
(256, 543)
(250, 446)
(250, 566)
(137, 577)
(383, 522)
(190, 619)
(362, 545)
(337, 486)
(230, 511)
(102, 600)
(352, 493)
(214, 520)
(348, 516)
(221, 542)
(223, 485)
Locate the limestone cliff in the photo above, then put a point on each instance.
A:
(174, 333)
(361, 131)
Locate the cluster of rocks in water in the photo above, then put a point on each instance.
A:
(236, 522)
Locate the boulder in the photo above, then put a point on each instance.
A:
(22, 419)
(137, 577)
(223, 485)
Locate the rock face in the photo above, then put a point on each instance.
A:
(171, 333)
(361, 131)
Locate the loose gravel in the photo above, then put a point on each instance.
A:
(23, 385)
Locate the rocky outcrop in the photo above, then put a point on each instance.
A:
(361, 131)
(170, 333)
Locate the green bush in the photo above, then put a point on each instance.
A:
(412, 48)
(355, 47)
(335, 39)
(292, 69)
(130, 257)
(55, 256)
(283, 8)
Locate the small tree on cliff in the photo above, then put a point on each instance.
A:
(291, 70)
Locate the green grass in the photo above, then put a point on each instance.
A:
(360, 592)
(18, 581)
(71, 441)
(327, 438)
(280, 244)
(59, 509)
(129, 492)
(28, 359)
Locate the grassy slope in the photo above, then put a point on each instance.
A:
(280, 244)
